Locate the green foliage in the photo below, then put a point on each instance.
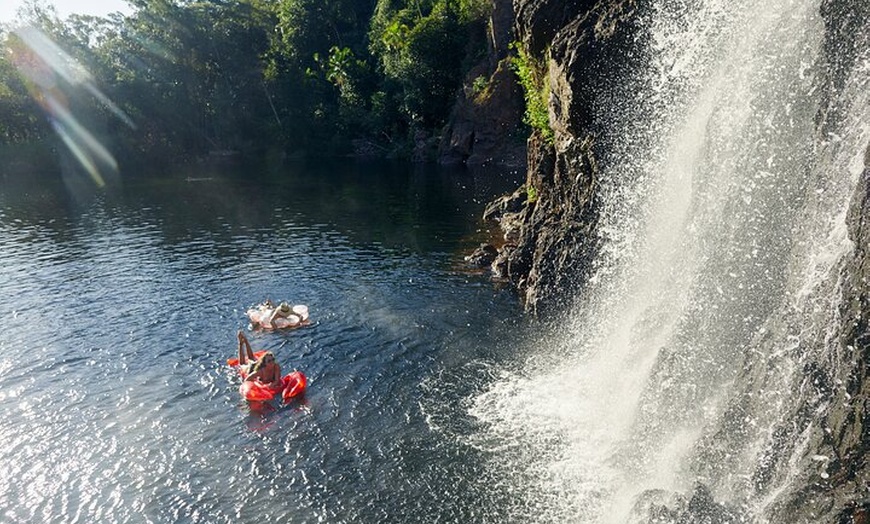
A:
(193, 74)
(197, 75)
(309, 27)
(421, 46)
(474, 10)
(531, 194)
(479, 84)
(20, 115)
(532, 74)
(348, 74)
(395, 35)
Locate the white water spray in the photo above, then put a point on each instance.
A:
(723, 226)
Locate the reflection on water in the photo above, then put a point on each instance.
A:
(119, 308)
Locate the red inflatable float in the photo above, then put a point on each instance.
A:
(292, 385)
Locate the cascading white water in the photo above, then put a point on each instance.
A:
(723, 227)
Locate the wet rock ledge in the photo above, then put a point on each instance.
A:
(550, 222)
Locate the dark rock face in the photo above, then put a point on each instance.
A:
(840, 433)
(658, 507)
(483, 256)
(834, 403)
(551, 241)
(485, 125)
(539, 21)
(834, 484)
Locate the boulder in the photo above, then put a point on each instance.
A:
(483, 256)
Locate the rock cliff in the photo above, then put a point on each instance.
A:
(834, 480)
(484, 127)
(550, 227)
(550, 238)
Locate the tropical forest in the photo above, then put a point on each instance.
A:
(179, 79)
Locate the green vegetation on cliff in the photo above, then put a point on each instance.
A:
(532, 74)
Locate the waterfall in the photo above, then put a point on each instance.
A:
(723, 226)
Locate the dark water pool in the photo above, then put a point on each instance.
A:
(119, 307)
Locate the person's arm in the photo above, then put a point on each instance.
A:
(277, 380)
(241, 338)
(248, 350)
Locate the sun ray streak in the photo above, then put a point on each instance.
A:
(54, 76)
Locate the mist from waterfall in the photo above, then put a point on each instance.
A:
(723, 228)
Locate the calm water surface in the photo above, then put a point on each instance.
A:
(119, 307)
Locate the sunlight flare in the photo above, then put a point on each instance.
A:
(54, 77)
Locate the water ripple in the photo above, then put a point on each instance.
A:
(117, 316)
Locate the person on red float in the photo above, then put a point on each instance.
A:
(264, 369)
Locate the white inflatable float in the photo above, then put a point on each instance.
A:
(289, 317)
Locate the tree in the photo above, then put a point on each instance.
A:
(422, 46)
(21, 119)
(183, 77)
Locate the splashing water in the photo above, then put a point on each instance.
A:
(723, 226)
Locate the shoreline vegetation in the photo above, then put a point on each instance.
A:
(180, 81)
